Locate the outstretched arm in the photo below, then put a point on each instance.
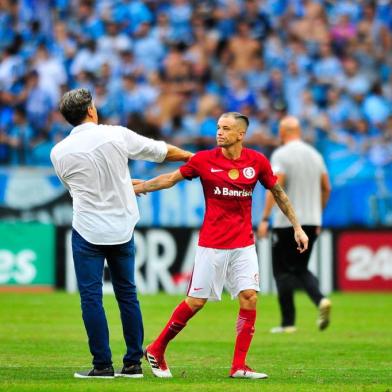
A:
(177, 154)
(161, 182)
(285, 206)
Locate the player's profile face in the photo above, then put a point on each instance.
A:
(228, 132)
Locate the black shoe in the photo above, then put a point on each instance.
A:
(96, 373)
(132, 371)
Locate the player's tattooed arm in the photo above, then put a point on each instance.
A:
(284, 204)
(163, 181)
(286, 207)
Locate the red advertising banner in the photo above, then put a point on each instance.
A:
(364, 261)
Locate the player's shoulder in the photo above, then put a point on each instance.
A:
(252, 154)
(203, 155)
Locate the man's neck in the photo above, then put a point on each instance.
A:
(232, 152)
(88, 120)
(291, 139)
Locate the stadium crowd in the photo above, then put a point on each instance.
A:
(167, 69)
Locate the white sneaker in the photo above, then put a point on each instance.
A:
(157, 363)
(288, 329)
(324, 313)
(246, 372)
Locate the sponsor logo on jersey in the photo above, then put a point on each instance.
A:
(232, 192)
(249, 172)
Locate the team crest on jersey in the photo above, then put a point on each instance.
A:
(234, 174)
(249, 172)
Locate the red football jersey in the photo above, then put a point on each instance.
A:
(228, 187)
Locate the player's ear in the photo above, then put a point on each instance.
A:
(90, 111)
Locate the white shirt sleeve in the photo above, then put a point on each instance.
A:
(323, 165)
(277, 163)
(58, 171)
(141, 147)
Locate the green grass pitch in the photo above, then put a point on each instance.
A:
(42, 342)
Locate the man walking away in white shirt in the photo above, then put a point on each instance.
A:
(92, 163)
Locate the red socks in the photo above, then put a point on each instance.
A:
(245, 330)
(182, 313)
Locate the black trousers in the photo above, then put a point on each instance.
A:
(290, 268)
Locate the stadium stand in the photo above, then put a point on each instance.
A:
(168, 68)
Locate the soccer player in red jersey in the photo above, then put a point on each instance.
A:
(226, 251)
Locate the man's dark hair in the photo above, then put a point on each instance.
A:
(73, 105)
(238, 116)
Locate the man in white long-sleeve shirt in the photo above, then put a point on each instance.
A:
(92, 163)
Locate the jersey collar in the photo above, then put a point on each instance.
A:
(83, 127)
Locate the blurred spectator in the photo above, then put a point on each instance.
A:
(148, 50)
(20, 139)
(343, 32)
(11, 67)
(88, 59)
(295, 85)
(243, 47)
(376, 107)
(39, 103)
(238, 94)
(327, 69)
(312, 28)
(51, 73)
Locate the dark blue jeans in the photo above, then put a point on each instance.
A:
(89, 264)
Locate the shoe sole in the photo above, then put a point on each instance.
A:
(325, 313)
(76, 375)
(263, 377)
(283, 330)
(129, 375)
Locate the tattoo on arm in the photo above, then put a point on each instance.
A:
(284, 204)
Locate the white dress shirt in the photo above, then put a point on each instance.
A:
(92, 163)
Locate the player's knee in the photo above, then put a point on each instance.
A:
(248, 299)
(196, 303)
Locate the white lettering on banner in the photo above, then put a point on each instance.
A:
(231, 192)
(161, 251)
(157, 252)
(19, 267)
(365, 264)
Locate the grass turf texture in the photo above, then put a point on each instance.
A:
(42, 343)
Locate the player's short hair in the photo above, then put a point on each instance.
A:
(74, 104)
(238, 116)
